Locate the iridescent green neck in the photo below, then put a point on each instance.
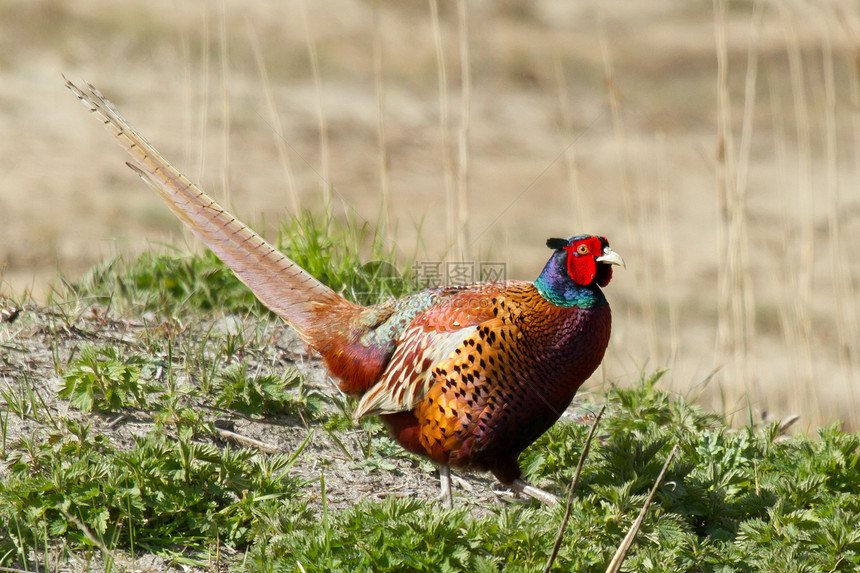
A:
(556, 286)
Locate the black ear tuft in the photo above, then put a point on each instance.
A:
(556, 244)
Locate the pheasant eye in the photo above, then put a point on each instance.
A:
(582, 249)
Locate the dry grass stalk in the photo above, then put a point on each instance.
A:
(619, 132)
(580, 210)
(785, 264)
(846, 319)
(247, 442)
(799, 256)
(463, 245)
(96, 542)
(203, 105)
(225, 107)
(803, 130)
(188, 97)
(324, 171)
(851, 316)
(380, 123)
(14, 570)
(736, 303)
(744, 308)
(651, 285)
(621, 552)
(724, 156)
(444, 131)
(669, 274)
(275, 120)
(633, 224)
(557, 545)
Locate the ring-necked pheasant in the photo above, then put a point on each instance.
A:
(467, 376)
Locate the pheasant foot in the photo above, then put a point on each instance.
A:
(533, 492)
(445, 497)
(461, 483)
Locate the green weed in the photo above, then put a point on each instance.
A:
(266, 394)
(22, 398)
(350, 258)
(736, 500)
(102, 378)
(161, 493)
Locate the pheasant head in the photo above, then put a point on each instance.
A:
(577, 269)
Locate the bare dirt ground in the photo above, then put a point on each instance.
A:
(43, 336)
(36, 337)
(587, 116)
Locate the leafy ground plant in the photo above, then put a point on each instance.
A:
(160, 492)
(312, 491)
(103, 378)
(349, 257)
(266, 394)
(736, 501)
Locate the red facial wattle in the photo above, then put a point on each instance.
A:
(581, 263)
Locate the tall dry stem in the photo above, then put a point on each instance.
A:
(618, 131)
(444, 130)
(804, 251)
(745, 308)
(203, 117)
(463, 245)
(846, 319)
(650, 284)
(621, 552)
(384, 179)
(203, 106)
(633, 225)
(736, 303)
(724, 156)
(274, 119)
(225, 105)
(325, 171)
(669, 272)
(580, 209)
(188, 98)
(784, 264)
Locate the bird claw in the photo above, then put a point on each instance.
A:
(533, 492)
(461, 483)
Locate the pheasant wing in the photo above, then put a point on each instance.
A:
(433, 337)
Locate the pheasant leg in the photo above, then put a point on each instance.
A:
(445, 482)
(533, 492)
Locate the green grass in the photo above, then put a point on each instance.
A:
(735, 501)
(743, 499)
(104, 379)
(266, 393)
(159, 494)
(351, 258)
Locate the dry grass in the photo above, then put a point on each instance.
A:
(718, 149)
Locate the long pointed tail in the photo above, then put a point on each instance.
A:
(279, 283)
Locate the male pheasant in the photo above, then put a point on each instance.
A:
(467, 376)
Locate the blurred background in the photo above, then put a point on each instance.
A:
(715, 144)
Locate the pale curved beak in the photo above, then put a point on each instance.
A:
(611, 257)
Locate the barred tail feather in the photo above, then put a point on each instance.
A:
(279, 283)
